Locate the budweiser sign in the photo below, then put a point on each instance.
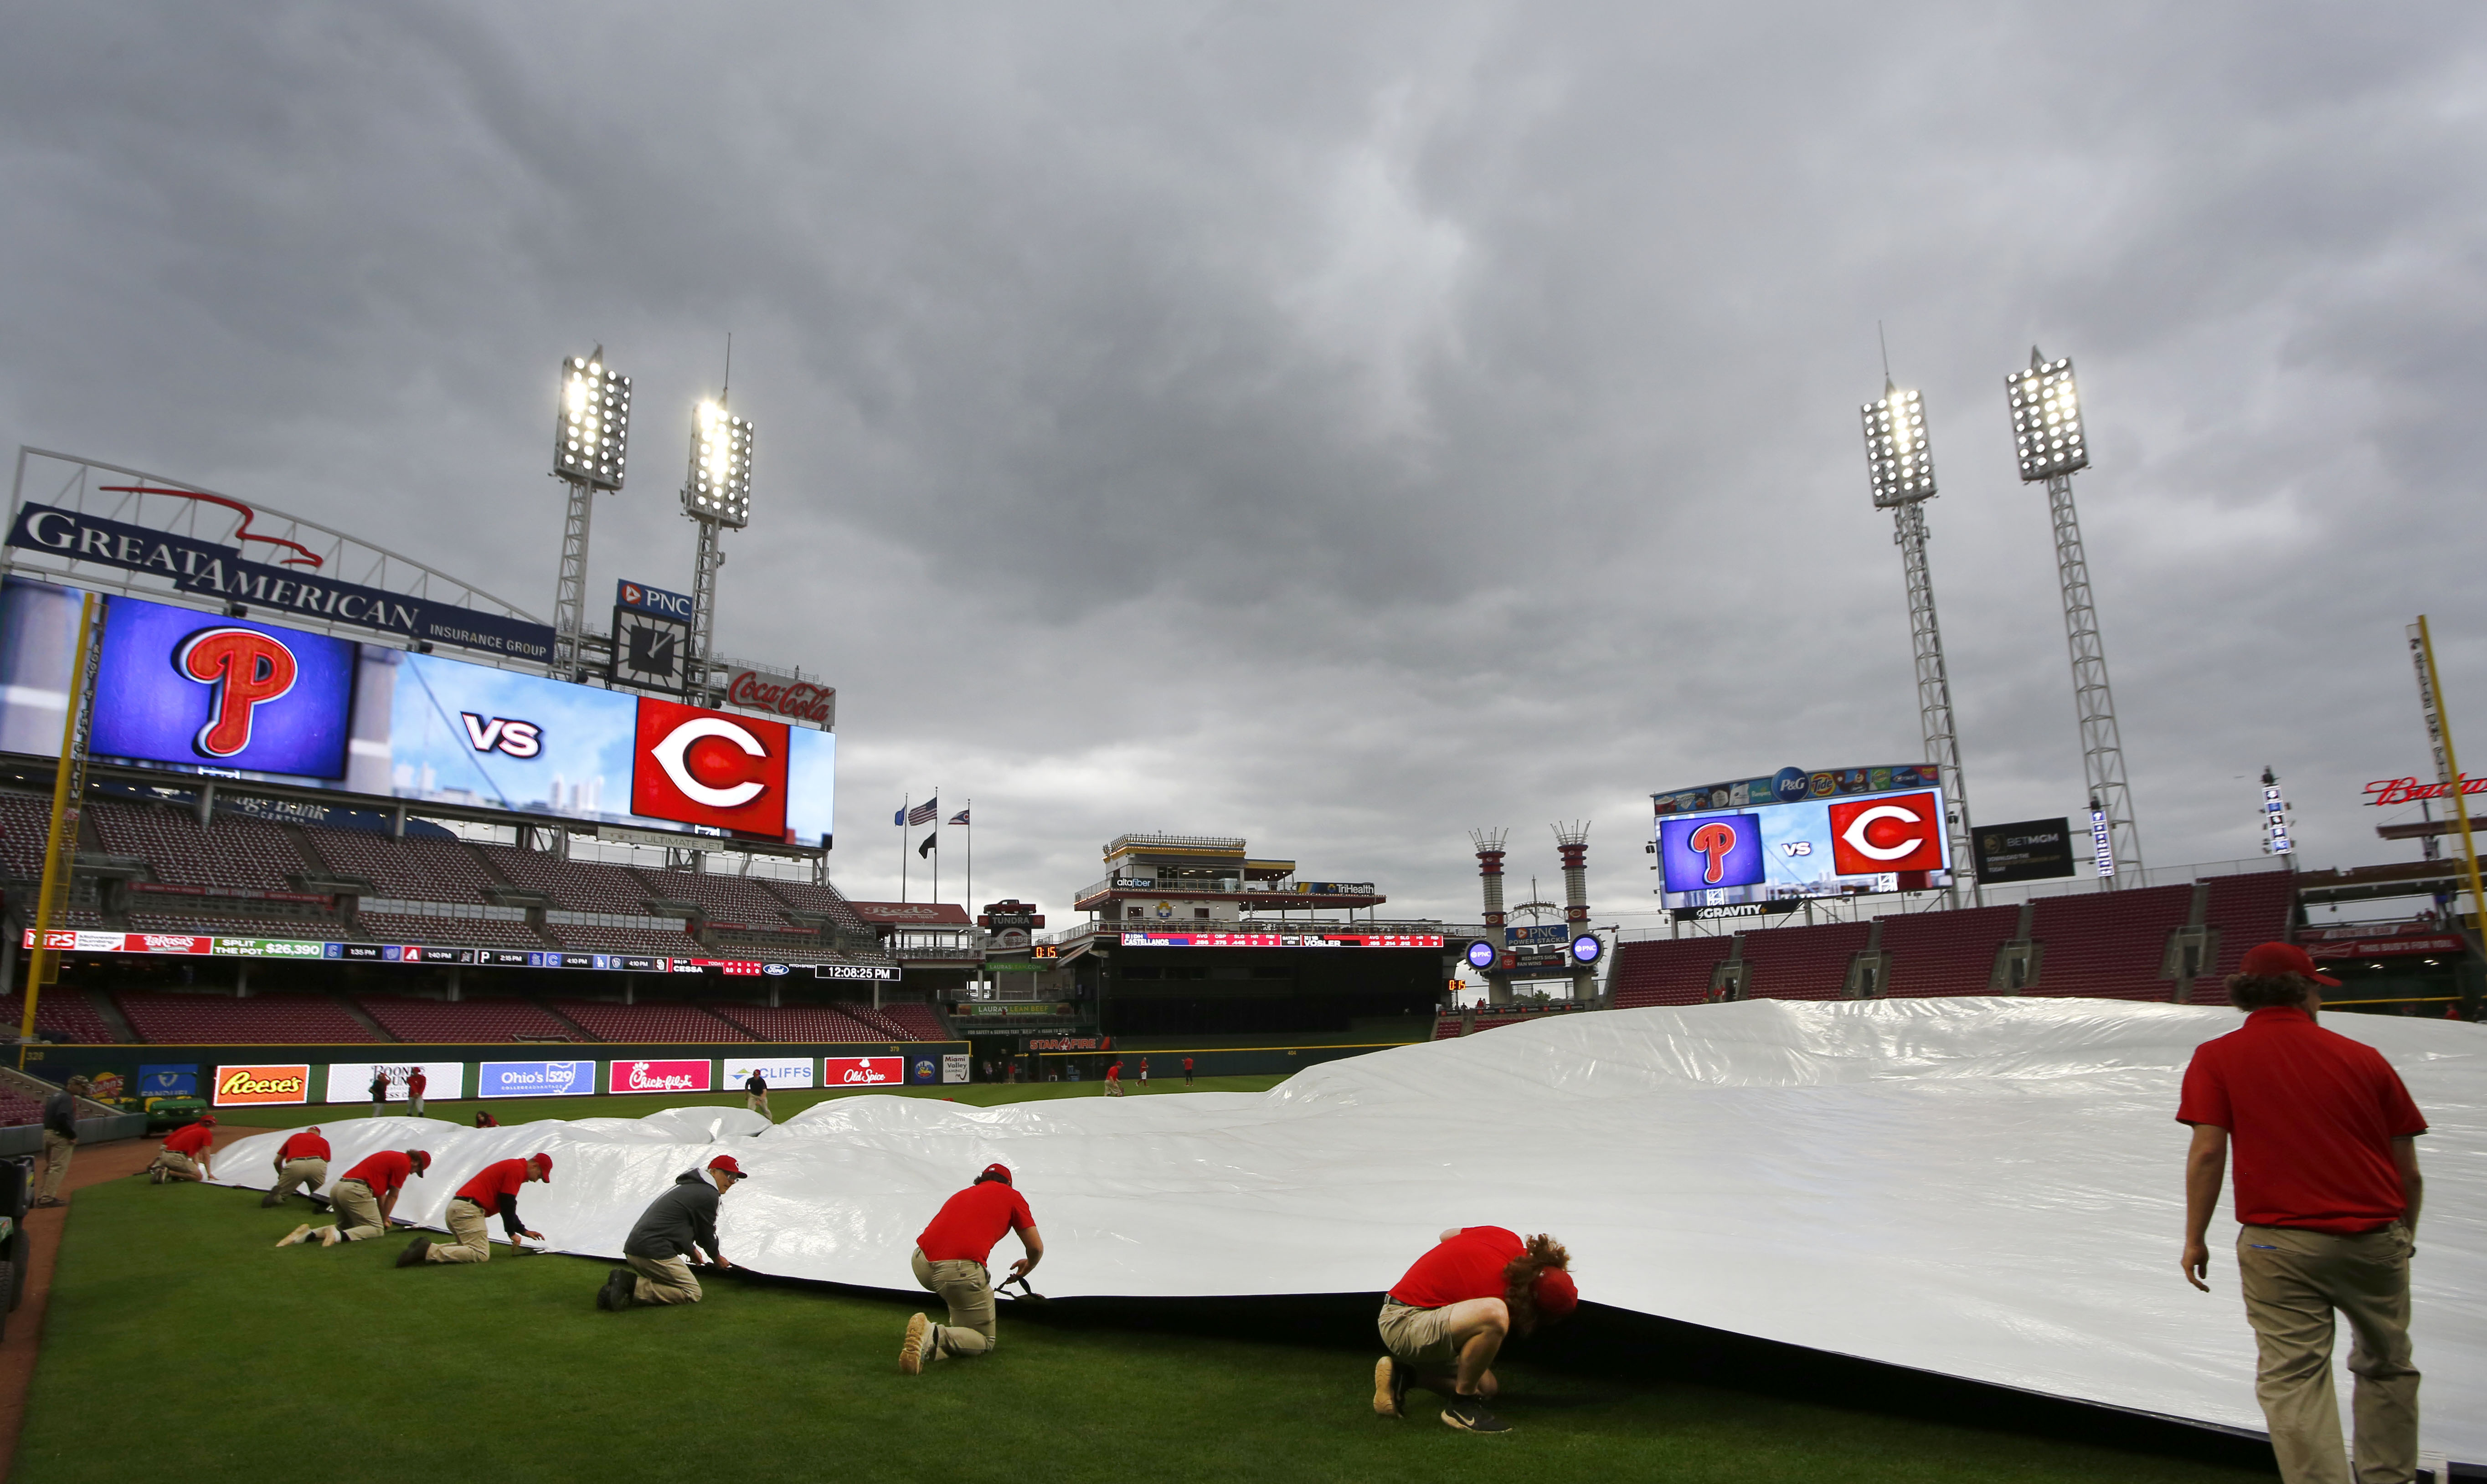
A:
(2409, 791)
(779, 696)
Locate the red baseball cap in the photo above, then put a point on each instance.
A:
(725, 1162)
(996, 1171)
(206, 1118)
(2282, 959)
(421, 1159)
(544, 1160)
(1555, 1294)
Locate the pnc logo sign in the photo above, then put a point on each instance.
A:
(1895, 832)
(703, 767)
(244, 668)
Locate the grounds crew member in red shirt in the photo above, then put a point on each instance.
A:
(494, 1187)
(1114, 1078)
(1186, 1071)
(2328, 1192)
(1446, 1320)
(950, 1261)
(672, 1232)
(301, 1164)
(185, 1155)
(365, 1199)
(415, 1083)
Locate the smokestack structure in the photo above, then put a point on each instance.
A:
(1489, 855)
(1573, 846)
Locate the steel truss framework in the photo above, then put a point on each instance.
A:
(1934, 689)
(2102, 747)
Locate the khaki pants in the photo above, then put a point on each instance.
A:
(664, 1280)
(1113, 1086)
(177, 1162)
(58, 1150)
(305, 1175)
(758, 1102)
(1418, 1336)
(358, 1213)
(2294, 1280)
(470, 1237)
(969, 1290)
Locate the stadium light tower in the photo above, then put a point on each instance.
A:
(716, 494)
(2047, 426)
(591, 442)
(1900, 462)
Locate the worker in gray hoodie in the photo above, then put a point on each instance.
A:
(673, 1232)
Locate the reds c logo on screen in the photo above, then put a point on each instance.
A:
(1895, 832)
(245, 669)
(699, 766)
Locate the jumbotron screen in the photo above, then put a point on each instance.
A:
(1799, 834)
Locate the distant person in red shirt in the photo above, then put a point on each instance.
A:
(365, 1199)
(185, 1155)
(1186, 1071)
(494, 1187)
(301, 1164)
(1114, 1078)
(1144, 1074)
(415, 1083)
(950, 1261)
(2327, 1194)
(1446, 1321)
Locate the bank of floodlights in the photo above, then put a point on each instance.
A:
(2046, 420)
(1897, 453)
(591, 435)
(719, 487)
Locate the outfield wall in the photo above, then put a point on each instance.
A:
(237, 1078)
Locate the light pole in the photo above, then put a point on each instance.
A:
(716, 494)
(1900, 462)
(591, 440)
(2047, 426)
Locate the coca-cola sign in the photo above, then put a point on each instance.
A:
(781, 695)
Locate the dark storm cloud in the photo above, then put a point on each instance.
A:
(1338, 427)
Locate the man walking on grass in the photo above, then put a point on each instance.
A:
(950, 1261)
(494, 1187)
(365, 1199)
(672, 1233)
(2327, 1195)
(301, 1164)
(185, 1155)
(1186, 1071)
(59, 1139)
(755, 1094)
(380, 1091)
(1446, 1319)
(415, 1083)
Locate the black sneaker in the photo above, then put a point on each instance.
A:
(1467, 1414)
(420, 1248)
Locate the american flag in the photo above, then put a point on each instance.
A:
(923, 813)
(959, 817)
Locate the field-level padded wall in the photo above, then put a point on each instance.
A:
(55, 1063)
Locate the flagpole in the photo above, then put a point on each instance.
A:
(902, 845)
(970, 828)
(936, 844)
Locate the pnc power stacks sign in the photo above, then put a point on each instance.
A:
(245, 1086)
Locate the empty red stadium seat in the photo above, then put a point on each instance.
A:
(801, 1023)
(1665, 971)
(409, 1018)
(232, 852)
(608, 1021)
(2259, 907)
(1802, 962)
(66, 1015)
(449, 932)
(1945, 952)
(417, 868)
(2109, 944)
(273, 1020)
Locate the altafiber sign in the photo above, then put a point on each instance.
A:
(534, 1079)
(248, 1087)
(661, 1075)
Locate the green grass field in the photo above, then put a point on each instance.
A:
(180, 1344)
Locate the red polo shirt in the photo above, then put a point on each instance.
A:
(972, 1220)
(2310, 1115)
(384, 1171)
(305, 1146)
(502, 1177)
(415, 1084)
(190, 1139)
(1467, 1265)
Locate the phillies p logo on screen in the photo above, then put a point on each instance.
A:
(699, 766)
(177, 685)
(1891, 833)
(1719, 850)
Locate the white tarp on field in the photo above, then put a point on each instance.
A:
(1989, 1188)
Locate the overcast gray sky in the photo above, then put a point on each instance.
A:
(1338, 425)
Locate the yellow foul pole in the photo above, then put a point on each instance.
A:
(2447, 767)
(60, 848)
